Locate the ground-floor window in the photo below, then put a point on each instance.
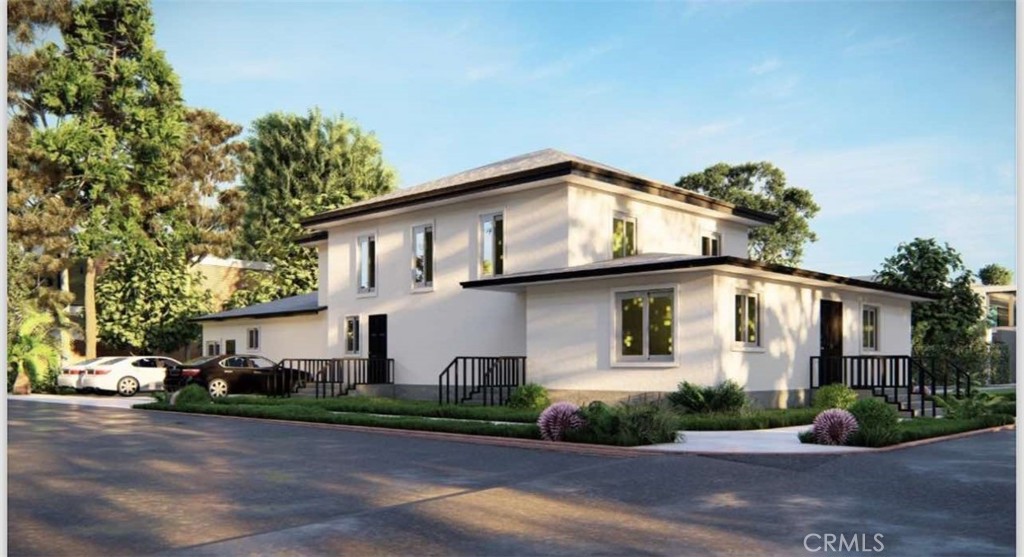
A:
(748, 319)
(253, 338)
(212, 348)
(869, 328)
(645, 325)
(352, 334)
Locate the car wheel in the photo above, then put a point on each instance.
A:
(218, 388)
(127, 386)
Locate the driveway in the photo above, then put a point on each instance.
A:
(102, 481)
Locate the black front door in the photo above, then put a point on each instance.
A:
(831, 369)
(378, 349)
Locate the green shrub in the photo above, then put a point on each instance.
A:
(834, 396)
(626, 425)
(529, 396)
(191, 394)
(976, 406)
(878, 423)
(748, 419)
(727, 396)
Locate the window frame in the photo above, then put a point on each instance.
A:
(626, 219)
(355, 347)
(646, 359)
(361, 259)
(215, 343)
(428, 257)
(495, 272)
(745, 344)
(249, 345)
(877, 311)
(715, 239)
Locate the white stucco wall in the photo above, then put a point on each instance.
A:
(427, 328)
(296, 336)
(660, 229)
(570, 333)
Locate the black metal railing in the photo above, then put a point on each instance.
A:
(341, 375)
(494, 378)
(897, 378)
(329, 376)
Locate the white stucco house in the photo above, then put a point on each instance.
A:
(607, 283)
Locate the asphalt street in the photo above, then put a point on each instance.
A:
(87, 481)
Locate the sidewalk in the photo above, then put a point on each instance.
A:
(111, 401)
(781, 440)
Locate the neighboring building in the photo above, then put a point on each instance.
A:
(609, 284)
(290, 327)
(1000, 303)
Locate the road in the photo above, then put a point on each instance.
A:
(105, 481)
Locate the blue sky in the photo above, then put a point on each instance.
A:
(898, 116)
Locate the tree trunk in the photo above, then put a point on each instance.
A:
(65, 334)
(91, 329)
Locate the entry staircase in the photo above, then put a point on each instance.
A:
(907, 382)
(482, 380)
(331, 377)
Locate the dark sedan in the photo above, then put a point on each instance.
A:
(233, 374)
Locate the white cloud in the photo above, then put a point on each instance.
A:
(766, 66)
(776, 87)
(717, 128)
(571, 61)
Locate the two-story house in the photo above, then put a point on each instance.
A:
(608, 283)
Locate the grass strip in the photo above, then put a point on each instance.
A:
(925, 428)
(372, 405)
(753, 419)
(311, 413)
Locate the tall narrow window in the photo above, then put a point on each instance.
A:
(748, 320)
(623, 236)
(212, 348)
(253, 339)
(492, 247)
(423, 256)
(645, 325)
(367, 271)
(711, 244)
(869, 328)
(352, 334)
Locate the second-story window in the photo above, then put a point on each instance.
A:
(623, 236)
(711, 244)
(367, 264)
(423, 256)
(492, 244)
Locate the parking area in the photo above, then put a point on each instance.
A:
(106, 481)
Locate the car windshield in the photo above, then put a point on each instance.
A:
(114, 360)
(199, 361)
(261, 362)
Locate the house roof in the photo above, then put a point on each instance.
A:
(295, 305)
(661, 262)
(531, 167)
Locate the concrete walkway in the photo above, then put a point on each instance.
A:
(781, 440)
(102, 401)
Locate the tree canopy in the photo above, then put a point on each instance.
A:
(105, 157)
(995, 275)
(762, 186)
(298, 166)
(952, 322)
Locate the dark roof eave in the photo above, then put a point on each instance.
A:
(267, 315)
(564, 168)
(311, 238)
(570, 274)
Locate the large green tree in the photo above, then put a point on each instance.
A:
(107, 159)
(145, 300)
(954, 321)
(995, 275)
(762, 186)
(299, 166)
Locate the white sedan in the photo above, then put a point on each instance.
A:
(127, 375)
(71, 374)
